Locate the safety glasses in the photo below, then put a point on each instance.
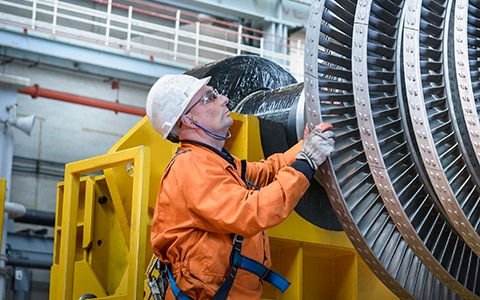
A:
(210, 96)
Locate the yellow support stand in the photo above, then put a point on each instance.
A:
(100, 235)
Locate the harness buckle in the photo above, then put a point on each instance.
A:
(158, 284)
(237, 239)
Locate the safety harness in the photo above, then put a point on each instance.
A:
(237, 260)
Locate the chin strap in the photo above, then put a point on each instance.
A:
(212, 134)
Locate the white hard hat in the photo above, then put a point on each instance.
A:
(167, 100)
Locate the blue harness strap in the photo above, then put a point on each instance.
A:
(261, 271)
(238, 261)
(179, 295)
(224, 289)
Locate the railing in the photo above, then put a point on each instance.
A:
(152, 30)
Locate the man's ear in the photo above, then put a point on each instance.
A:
(187, 121)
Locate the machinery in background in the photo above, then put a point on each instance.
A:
(398, 80)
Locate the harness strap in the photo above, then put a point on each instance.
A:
(238, 261)
(224, 289)
(244, 169)
(261, 271)
(179, 295)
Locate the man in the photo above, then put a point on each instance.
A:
(207, 196)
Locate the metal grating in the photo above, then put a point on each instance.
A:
(396, 79)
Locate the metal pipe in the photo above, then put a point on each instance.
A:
(37, 217)
(36, 91)
(21, 214)
(15, 210)
(29, 263)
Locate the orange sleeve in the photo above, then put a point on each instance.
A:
(219, 201)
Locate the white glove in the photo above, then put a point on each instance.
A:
(318, 145)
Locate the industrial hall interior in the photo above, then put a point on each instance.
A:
(393, 212)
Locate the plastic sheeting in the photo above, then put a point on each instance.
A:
(237, 77)
(279, 105)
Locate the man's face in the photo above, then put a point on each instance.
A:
(210, 110)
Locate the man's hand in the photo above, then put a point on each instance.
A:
(318, 145)
(323, 127)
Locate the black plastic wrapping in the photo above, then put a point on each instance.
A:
(237, 77)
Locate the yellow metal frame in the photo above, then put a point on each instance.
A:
(71, 275)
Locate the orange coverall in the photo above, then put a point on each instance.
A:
(203, 200)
